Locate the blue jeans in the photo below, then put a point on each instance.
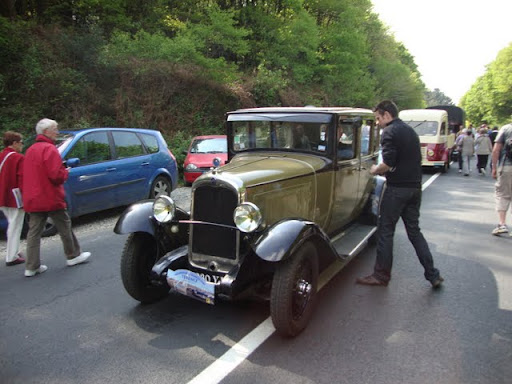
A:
(404, 203)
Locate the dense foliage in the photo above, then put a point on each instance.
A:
(178, 66)
(489, 99)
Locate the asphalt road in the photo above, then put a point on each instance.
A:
(78, 325)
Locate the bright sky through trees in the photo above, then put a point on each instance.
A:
(451, 40)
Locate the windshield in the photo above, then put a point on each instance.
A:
(211, 145)
(424, 128)
(265, 134)
(62, 141)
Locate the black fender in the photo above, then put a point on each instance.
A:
(138, 217)
(281, 240)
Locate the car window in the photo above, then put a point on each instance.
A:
(211, 145)
(127, 144)
(150, 141)
(91, 148)
(279, 135)
(346, 141)
(424, 128)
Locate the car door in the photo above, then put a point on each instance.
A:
(346, 174)
(132, 167)
(90, 187)
(369, 147)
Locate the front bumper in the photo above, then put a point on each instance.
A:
(174, 270)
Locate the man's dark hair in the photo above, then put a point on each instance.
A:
(387, 106)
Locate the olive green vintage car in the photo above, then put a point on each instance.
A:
(295, 196)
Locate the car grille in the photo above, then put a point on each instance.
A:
(214, 204)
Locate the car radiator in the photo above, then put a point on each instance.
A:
(213, 204)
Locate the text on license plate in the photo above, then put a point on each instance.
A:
(210, 278)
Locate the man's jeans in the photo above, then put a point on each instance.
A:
(404, 203)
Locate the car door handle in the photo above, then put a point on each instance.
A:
(145, 163)
(111, 169)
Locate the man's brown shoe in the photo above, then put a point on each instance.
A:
(371, 280)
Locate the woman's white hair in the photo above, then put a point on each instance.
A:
(44, 124)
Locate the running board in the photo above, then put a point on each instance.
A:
(352, 240)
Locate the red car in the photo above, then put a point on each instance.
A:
(201, 153)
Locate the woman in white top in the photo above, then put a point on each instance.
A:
(483, 148)
(467, 144)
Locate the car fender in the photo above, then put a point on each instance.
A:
(163, 172)
(283, 238)
(136, 218)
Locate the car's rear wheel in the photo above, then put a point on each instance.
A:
(161, 186)
(139, 256)
(293, 293)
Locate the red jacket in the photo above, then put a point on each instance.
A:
(43, 177)
(11, 176)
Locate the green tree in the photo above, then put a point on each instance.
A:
(489, 97)
(436, 97)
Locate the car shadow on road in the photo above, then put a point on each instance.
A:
(179, 322)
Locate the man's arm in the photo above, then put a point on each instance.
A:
(379, 169)
(496, 151)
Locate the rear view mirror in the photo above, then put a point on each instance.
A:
(74, 162)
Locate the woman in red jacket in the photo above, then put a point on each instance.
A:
(44, 196)
(11, 177)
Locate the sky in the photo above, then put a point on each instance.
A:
(452, 41)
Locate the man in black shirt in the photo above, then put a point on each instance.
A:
(401, 154)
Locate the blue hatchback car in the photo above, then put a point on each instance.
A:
(112, 167)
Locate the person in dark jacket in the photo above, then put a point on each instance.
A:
(11, 177)
(401, 154)
(44, 196)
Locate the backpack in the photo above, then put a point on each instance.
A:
(508, 147)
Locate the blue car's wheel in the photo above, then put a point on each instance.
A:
(161, 186)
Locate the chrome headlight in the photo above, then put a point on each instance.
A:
(164, 209)
(191, 167)
(247, 217)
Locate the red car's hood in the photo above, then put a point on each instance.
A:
(205, 160)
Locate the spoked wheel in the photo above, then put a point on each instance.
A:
(294, 290)
(139, 256)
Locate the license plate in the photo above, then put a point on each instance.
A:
(191, 284)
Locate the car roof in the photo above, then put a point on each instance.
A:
(306, 109)
(210, 137)
(78, 130)
(422, 114)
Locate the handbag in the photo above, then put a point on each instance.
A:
(15, 191)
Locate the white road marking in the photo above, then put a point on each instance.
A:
(225, 364)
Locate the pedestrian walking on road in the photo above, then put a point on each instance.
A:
(483, 148)
(467, 144)
(401, 154)
(44, 196)
(11, 179)
(502, 171)
(458, 146)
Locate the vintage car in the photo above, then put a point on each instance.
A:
(295, 196)
(436, 139)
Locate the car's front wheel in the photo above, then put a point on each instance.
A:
(139, 256)
(161, 186)
(294, 290)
